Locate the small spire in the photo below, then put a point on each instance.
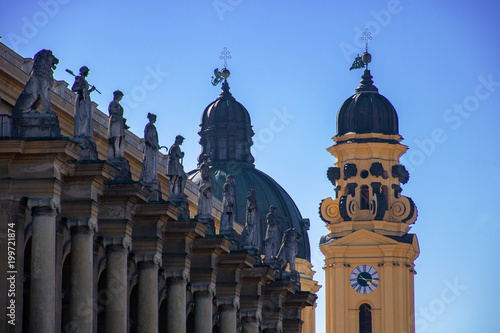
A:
(366, 83)
(225, 93)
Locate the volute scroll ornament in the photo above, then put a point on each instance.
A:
(329, 210)
(348, 207)
(403, 210)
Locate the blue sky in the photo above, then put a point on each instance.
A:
(436, 61)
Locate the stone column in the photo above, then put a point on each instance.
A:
(116, 313)
(176, 305)
(148, 293)
(227, 318)
(43, 265)
(203, 311)
(81, 295)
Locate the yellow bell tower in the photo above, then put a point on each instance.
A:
(369, 254)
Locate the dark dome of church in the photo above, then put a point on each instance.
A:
(226, 131)
(225, 110)
(226, 135)
(268, 192)
(367, 111)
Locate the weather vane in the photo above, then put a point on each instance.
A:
(224, 73)
(366, 58)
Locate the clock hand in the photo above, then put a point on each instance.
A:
(367, 281)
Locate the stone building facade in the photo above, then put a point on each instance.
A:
(90, 251)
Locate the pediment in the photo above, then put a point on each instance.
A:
(364, 237)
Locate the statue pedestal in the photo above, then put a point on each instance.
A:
(156, 194)
(34, 124)
(181, 202)
(208, 221)
(124, 175)
(89, 152)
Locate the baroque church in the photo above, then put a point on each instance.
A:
(106, 234)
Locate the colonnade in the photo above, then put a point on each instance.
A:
(74, 209)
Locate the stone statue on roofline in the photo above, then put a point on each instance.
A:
(177, 178)
(288, 250)
(272, 241)
(27, 121)
(251, 233)
(116, 128)
(206, 188)
(84, 115)
(175, 169)
(149, 174)
(205, 199)
(228, 207)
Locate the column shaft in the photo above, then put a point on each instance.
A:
(202, 312)
(43, 270)
(117, 288)
(81, 301)
(176, 305)
(148, 298)
(227, 319)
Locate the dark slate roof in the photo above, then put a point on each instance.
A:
(367, 111)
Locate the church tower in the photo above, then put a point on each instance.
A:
(369, 252)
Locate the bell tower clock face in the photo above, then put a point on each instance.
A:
(364, 279)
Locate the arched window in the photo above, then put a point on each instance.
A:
(365, 318)
(365, 197)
